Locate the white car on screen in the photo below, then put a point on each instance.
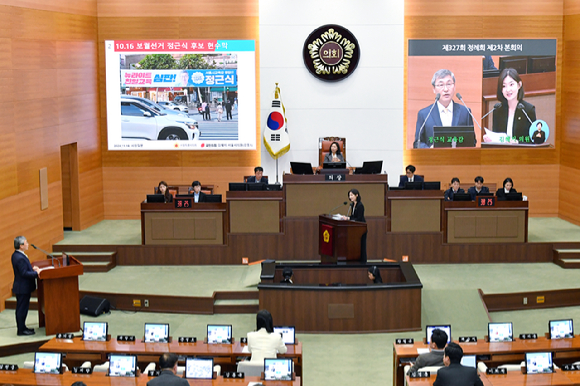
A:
(174, 106)
(141, 122)
(174, 115)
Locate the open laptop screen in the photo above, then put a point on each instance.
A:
(95, 331)
(156, 333)
(219, 333)
(278, 369)
(539, 363)
(288, 334)
(47, 363)
(500, 332)
(199, 368)
(561, 329)
(122, 365)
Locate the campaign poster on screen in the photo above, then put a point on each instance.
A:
(181, 94)
(481, 93)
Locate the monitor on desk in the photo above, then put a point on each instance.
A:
(453, 136)
(288, 333)
(47, 363)
(278, 369)
(415, 185)
(469, 361)
(334, 165)
(219, 333)
(370, 167)
(442, 327)
(560, 329)
(513, 196)
(199, 368)
(256, 187)
(155, 198)
(238, 187)
(500, 332)
(432, 185)
(462, 197)
(121, 365)
(539, 363)
(213, 198)
(156, 333)
(274, 187)
(95, 331)
(301, 168)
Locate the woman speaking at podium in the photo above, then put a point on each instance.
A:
(357, 213)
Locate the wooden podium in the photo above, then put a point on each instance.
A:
(58, 295)
(339, 240)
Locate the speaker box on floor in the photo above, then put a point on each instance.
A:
(94, 306)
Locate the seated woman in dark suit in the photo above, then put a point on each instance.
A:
(357, 213)
(375, 274)
(162, 189)
(334, 155)
(515, 115)
(454, 189)
(508, 187)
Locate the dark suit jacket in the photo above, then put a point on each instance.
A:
(24, 275)
(252, 179)
(473, 192)
(359, 212)
(461, 117)
(405, 179)
(432, 358)
(457, 375)
(449, 194)
(168, 378)
(539, 140)
(521, 127)
(500, 194)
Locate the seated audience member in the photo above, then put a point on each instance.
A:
(409, 176)
(478, 188)
(454, 373)
(508, 187)
(198, 195)
(168, 365)
(334, 155)
(162, 189)
(287, 275)
(435, 356)
(264, 343)
(375, 274)
(258, 178)
(454, 189)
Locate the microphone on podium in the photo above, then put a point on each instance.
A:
(338, 206)
(521, 107)
(46, 253)
(496, 106)
(418, 139)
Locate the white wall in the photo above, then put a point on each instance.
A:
(366, 108)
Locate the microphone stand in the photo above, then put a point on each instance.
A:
(47, 254)
(418, 139)
(338, 206)
(469, 111)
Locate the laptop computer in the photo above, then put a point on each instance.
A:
(121, 365)
(500, 332)
(47, 363)
(288, 333)
(219, 333)
(199, 368)
(156, 333)
(278, 369)
(539, 363)
(95, 331)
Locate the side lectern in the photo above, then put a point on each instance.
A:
(339, 240)
(58, 295)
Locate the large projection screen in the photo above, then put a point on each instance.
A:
(181, 95)
(481, 68)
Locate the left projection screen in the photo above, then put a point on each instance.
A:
(181, 95)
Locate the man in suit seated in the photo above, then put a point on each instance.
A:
(454, 189)
(168, 365)
(198, 195)
(258, 178)
(445, 112)
(478, 189)
(409, 176)
(455, 374)
(435, 356)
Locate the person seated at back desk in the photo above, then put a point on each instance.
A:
(454, 189)
(433, 357)
(454, 373)
(258, 176)
(198, 195)
(508, 187)
(168, 365)
(478, 189)
(409, 176)
(334, 155)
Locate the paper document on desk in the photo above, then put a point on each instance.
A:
(496, 137)
(422, 351)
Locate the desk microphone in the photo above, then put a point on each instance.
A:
(496, 106)
(469, 111)
(46, 253)
(338, 206)
(418, 138)
(521, 106)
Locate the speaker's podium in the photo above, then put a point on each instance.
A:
(58, 295)
(339, 240)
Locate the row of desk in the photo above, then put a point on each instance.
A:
(406, 211)
(494, 354)
(515, 378)
(25, 377)
(226, 355)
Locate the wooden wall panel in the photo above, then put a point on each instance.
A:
(152, 8)
(49, 94)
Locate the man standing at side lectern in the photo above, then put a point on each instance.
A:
(24, 283)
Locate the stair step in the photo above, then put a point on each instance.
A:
(567, 263)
